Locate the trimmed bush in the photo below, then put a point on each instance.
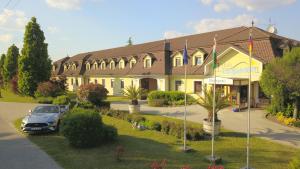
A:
(48, 89)
(135, 117)
(295, 163)
(85, 105)
(164, 98)
(62, 100)
(165, 127)
(296, 123)
(123, 115)
(45, 100)
(151, 125)
(83, 128)
(94, 93)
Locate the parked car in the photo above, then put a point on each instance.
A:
(45, 118)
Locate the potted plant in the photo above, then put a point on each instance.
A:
(207, 102)
(133, 93)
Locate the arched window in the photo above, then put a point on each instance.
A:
(95, 66)
(147, 62)
(121, 64)
(112, 65)
(88, 66)
(103, 65)
(132, 63)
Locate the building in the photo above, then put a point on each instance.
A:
(158, 65)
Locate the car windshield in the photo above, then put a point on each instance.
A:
(46, 109)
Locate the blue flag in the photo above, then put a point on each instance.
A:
(185, 56)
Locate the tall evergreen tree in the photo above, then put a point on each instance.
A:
(129, 42)
(34, 62)
(10, 66)
(1, 69)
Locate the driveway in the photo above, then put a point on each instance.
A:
(236, 121)
(16, 151)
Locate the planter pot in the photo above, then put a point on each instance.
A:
(134, 108)
(208, 127)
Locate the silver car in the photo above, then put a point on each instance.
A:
(45, 118)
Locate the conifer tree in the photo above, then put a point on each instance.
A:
(10, 66)
(2, 58)
(34, 62)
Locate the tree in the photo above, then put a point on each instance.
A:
(129, 42)
(280, 81)
(10, 66)
(207, 102)
(1, 69)
(34, 62)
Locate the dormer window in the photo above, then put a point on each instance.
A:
(198, 57)
(65, 67)
(103, 65)
(95, 66)
(177, 60)
(74, 67)
(147, 61)
(132, 63)
(112, 65)
(121, 64)
(88, 66)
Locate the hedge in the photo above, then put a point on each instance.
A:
(168, 127)
(164, 98)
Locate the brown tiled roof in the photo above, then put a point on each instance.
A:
(266, 47)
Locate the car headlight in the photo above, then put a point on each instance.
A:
(51, 122)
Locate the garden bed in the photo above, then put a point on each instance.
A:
(274, 119)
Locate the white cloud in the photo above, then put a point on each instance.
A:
(212, 24)
(52, 29)
(261, 5)
(12, 20)
(172, 34)
(65, 4)
(5, 38)
(206, 2)
(221, 6)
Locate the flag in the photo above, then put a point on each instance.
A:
(214, 54)
(185, 55)
(250, 43)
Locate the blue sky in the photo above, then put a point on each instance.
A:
(74, 26)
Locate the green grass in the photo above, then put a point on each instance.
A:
(117, 99)
(8, 96)
(144, 147)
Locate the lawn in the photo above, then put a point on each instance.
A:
(117, 99)
(144, 147)
(8, 96)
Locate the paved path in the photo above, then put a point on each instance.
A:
(236, 121)
(17, 152)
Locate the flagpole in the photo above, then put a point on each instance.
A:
(184, 123)
(214, 109)
(249, 99)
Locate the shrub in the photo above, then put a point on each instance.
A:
(289, 121)
(62, 100)
(83, 128)
(151, 125)
(115, 113)
(297, 123)
(194, 134)
(48, 89)
(135, 117)
(104, 105)
(295, 163)
(165, 127)
(161, 98)
(85, 105)
(93, 93)
(45, 100)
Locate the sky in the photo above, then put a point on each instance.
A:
(75, 26)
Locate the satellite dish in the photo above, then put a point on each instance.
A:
(272, 29)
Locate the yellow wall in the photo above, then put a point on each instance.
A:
(190, 82)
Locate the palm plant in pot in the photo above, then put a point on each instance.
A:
(207, 102)
(133, 93)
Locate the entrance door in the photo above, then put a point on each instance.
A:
(243, 94)
(197, 86)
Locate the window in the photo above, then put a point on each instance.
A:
(72, 81)
(103, 65)
(88, 66)
(112, 65)
(178, 85)
(95, 66)
(76, 82)
(147, 63)
(65, 67)
(73, 67)
(198, 60)
(96, 82)
(178, 61)
(122, 84)
(197, 86)
(132, 63)
(131, 82)
(112, 83)
(121, 64)
(103, 82)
